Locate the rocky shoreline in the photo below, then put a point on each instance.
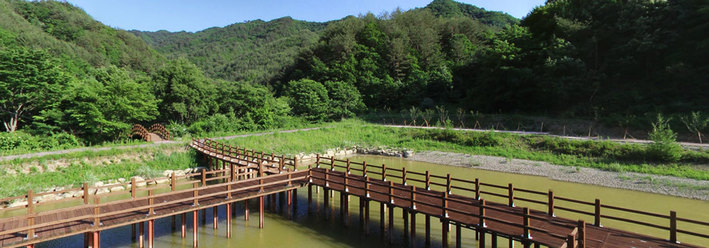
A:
(667, 185)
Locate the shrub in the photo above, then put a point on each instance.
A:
(664, 147)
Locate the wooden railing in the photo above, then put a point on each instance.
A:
(200, 181)
(478, 189)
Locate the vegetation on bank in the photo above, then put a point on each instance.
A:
(603, 155)
(85, 170)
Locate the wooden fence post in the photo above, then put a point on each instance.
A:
(481, 213)
(364, 169)
(477, 188)
(195, 195)
(550, 206)
(86, 193)
(448, 184)
(172, 181)
(384, 172)
(428, 180)
(403, 176)
(317, 160)
(510, 195)
(97, 211)
(391, 192)
(204, 178)
(673, 226)
(348, 166)
(332, 163)
(132, 188)
(30, 213)
(525, 223)
(597, 216)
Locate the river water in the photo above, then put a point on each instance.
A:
(324, 228)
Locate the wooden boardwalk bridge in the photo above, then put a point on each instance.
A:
(238, 174)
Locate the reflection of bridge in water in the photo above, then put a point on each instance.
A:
(238, 175)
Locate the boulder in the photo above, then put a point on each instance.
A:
(102, 191)
(116, 188)
(17, 203)
(162, 181)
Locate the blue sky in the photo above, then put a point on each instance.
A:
(190, 15)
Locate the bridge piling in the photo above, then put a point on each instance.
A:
(151, 233)
(246, 210)
(195, 228)
(228, 220)
(183, 226)
(215, 217)
(260, 212)
(141, 234)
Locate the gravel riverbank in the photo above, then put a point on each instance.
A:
(682, 187)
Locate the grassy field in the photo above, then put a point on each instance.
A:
(596, 154)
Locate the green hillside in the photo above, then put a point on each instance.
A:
(254, 51)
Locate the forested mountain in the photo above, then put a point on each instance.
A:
(65, 31)
(615, 61)
(254, 51)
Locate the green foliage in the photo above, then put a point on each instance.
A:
(664, 147)
(345, 100)
(29, 82)
(24, 142)
(696, 123)
(186, 94)
(309, 99)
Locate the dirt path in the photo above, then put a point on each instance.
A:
(630, 141)
(96, 149)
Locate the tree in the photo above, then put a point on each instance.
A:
(185, 93)
(29, 81)
(309, 99)
(695, 123)
(345, 100)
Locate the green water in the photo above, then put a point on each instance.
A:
(324, 228)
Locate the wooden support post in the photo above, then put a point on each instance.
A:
(364, 169)
(96, 240)
(427, 231)
(183, 225)
(673, 226)
(582, 234)
(151, 233)
(141, 234)
(310, 196)
(228, 220)
(133, 236)
(382, 221)
(195, 228)
(326, 199)
(458, 237)
(204, 178)
(366, 216)
(260, 212)
(215, 217)
(493, 239)
(510, 195)
(405, 215)
(195, 195)
(391, 192)
(597, 216)
(346, 209)
(132, 187)
(444, 232)
(403, 176)
(246, 210)
(481, 240)
(391, 223)
(413, 227)
(526, 235)
(550, 205)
